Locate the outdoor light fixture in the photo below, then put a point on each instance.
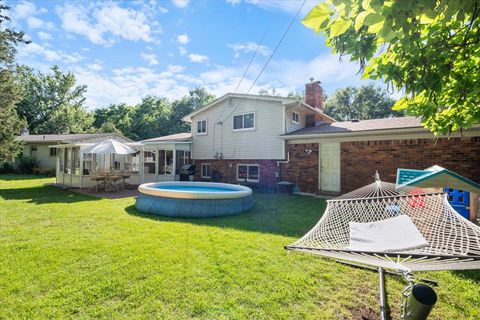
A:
(308, 151)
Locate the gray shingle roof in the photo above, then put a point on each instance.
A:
(64, 137)
(362, 125)
(184, 136)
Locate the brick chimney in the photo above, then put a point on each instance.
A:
(314, 94)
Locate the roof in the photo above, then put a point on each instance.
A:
(358, 126)
(65, 137)
(179, 137)
(435, 177)
(283, 100)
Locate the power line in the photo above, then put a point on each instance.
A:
(269, 58)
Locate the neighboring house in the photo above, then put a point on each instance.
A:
(238, 137)
(38, 145)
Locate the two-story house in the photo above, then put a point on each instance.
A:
(238, 137)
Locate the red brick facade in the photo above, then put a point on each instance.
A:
(227, 169)
(302, 168)
(360, 160)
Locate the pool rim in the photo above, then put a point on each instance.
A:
(238, 191)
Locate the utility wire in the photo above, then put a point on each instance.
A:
(269, 58)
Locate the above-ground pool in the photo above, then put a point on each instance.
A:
(193, 199)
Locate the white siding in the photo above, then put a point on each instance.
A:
(290, 125)
(261, 143)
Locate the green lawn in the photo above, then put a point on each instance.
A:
(65, 255)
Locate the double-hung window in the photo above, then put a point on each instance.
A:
(206, 170)
(248, 172)
(244, 121)
(295, 117)
(202, 127)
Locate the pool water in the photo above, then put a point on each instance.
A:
(194, 188)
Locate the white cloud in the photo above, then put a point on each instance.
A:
(234, 2)
(247, 47)
(44, 36)
(95, 67)
(198, 58)
(36, 23)
(24, 10)
(182, 50)
(35, 50)
(106, 24)
(175, 68)
(181, 3)
(150, 58)
(183, 39)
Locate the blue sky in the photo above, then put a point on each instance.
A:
(126, 50)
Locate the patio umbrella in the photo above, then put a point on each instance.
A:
(109, 146)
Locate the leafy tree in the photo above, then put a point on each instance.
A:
(428, 48)
(365, 102)
(53, 103)
(151, 118)
(196, 98)
(9, 90)
(116, 118)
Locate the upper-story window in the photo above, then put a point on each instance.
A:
(202, 126)
(244, 121)
(295, 117)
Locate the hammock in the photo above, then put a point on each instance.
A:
(453, 243)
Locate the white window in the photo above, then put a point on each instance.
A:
(248, 172)
(53, 152)
(202, 127)
(295, 117)
(206, 170)
(244, 121)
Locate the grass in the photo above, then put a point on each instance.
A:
(65, 255)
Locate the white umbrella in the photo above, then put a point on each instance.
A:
(109, 146)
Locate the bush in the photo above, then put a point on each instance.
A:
(44, 172)
(7, 167)
(26, 165)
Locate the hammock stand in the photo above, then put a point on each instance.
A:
(453, 241)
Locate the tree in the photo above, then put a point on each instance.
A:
(428, 48)
(196, 98)
(53, 103)
(365, 102)
(115, 118)
(11, 124)
(151, 118)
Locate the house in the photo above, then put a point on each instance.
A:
(38, 146)
(238, 137)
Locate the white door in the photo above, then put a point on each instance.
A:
(330, 167)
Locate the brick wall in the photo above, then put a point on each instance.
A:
(302, 169)
(359, 160)
(228, 172)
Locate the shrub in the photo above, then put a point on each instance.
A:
(44, 172)
(26, 165)
(7, 167)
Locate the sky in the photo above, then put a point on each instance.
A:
(126, 50)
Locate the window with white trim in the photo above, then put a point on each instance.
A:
(295, 117)
(206, 170)
(248, 172)
(202, 126)
(244, 121)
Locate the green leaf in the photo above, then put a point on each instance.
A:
(359, 20)
(339, 27)
(376, 27)
(317, 16)
(372, 18)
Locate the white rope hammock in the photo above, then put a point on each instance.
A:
(453, 241)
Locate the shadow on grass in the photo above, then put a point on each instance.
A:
(43, 195)
(19, 177)
(290, 216)
(473, 275)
